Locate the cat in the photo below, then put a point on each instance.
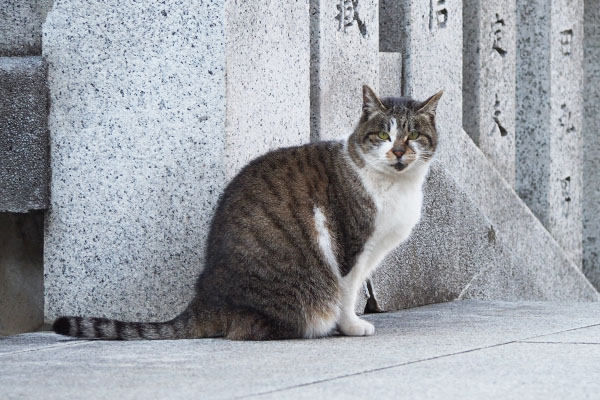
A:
(297, 232)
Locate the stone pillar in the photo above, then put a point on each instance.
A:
(432, 61)
(344, 37)
(549, 116)
(489, 54)
(154, 107)
(591, 143)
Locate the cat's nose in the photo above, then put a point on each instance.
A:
(398, 152)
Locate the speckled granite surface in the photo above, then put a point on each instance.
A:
(143, 140)
(549, 117)
(344, 56)
(24, 161)
(137, 140)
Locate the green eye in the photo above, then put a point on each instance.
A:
(383, 136)
(413, 135)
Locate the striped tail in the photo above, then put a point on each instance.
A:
(102, 328)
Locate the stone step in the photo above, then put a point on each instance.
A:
(21, 26)
(24, 153)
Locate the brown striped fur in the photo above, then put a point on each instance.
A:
(265, 275)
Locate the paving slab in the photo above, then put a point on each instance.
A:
(516, 370)
(217, 368)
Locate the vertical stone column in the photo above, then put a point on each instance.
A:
(344, 38)
(268, 88)
(432, 61)
(489, 54)
(549, 116)
(591, 143)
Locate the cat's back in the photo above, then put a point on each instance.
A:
(292, 175)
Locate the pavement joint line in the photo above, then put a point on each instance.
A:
(558, 342)
(556, 333)
(374, 370)
(70, 343)
(409, 362)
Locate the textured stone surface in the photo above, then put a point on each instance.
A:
(432, 48)
(432, 44)
(163, 161)
(38, 365)
(591, 143)
(456, 252)
(21, 272)
(549, 123)
(390, 74)
(391, 28)
(268, 83)
(23, 134)
(137, 140)
(528, 370)
(489, 54)
(344, 36)
(21, 26)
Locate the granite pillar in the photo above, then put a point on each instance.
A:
(489, 54)
(549, 117)
(591, 142)
(344, 39)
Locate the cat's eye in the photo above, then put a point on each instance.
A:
(383, 136)
(413, 135)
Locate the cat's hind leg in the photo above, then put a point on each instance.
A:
(248, 325)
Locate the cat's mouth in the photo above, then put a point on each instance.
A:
(400, 166)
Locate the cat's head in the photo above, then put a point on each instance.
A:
(395, 134)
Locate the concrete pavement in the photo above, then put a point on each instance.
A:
(462, 349)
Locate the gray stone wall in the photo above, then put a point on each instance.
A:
(591, 143)
(155, 106)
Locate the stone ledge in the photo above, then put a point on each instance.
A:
(21, 26)
(24, 152)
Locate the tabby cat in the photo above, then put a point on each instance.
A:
(298, 230)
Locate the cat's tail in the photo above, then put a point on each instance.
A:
(180, 327)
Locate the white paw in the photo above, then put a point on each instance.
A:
(356, 327)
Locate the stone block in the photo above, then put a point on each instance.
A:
(268, 78)
(137, 147)
(591, 143)
(23, 134)
(21, 26)
(344, 39)
(432, 59)
(144, 139)
(390, 74)
(21, 272)
(489, 54)
(456, 252)
(549, 117)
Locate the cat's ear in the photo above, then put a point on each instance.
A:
(371, 103)
(428, 106)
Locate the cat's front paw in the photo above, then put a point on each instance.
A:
(356, 327)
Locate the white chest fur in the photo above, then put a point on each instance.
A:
(398, 201)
